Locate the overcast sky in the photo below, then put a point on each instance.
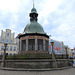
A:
(56, 16)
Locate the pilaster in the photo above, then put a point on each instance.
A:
(44, 43)
(36, 43)
(26, 43)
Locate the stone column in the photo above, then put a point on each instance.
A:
(20, 44)
(48, 45)
(36, 43)
(26, 43)
(53, 58)
(44, 43)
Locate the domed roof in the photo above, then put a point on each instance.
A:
(34, 27)
(33, 10)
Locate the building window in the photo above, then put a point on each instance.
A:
(14, 53)
(23, 45)
(8, 34)
(11, 41)
(10, 53)
(1, 53)
(14, 48)
(7, 40)
(11, 48)
(2, 39)
(40, 44)
(31, 44)
(2, 47)
(7, 48)
(46, 45)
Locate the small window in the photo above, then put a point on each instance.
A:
(11, 48)
(14, 48)
(2, 47)
(14, 53)
(11, 41)
(7, 48)
(1, 53)
(10, 53)
(2, 39)
(7, 40)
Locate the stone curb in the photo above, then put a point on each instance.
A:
(49, 69)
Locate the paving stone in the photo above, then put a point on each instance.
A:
(70, 71)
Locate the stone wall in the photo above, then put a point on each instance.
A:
(64, 63)
(37, 63)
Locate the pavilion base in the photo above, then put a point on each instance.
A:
(37, 63)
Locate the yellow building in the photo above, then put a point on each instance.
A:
(8, 37)
(69, 52)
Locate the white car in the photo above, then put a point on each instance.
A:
(74, 63)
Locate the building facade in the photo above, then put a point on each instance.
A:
(73, 52)
(70, 53)
(8, 37)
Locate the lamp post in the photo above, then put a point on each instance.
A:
(53, 55)
(66, 51)
(4, 55)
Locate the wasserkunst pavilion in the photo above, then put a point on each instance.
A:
(33, 39)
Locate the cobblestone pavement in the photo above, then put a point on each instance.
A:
(70, 71)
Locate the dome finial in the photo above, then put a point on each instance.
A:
(33, 3)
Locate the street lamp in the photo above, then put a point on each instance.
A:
(53, 56)
(52, 43)
(5, 45)
(4, 54)
(66, 51)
